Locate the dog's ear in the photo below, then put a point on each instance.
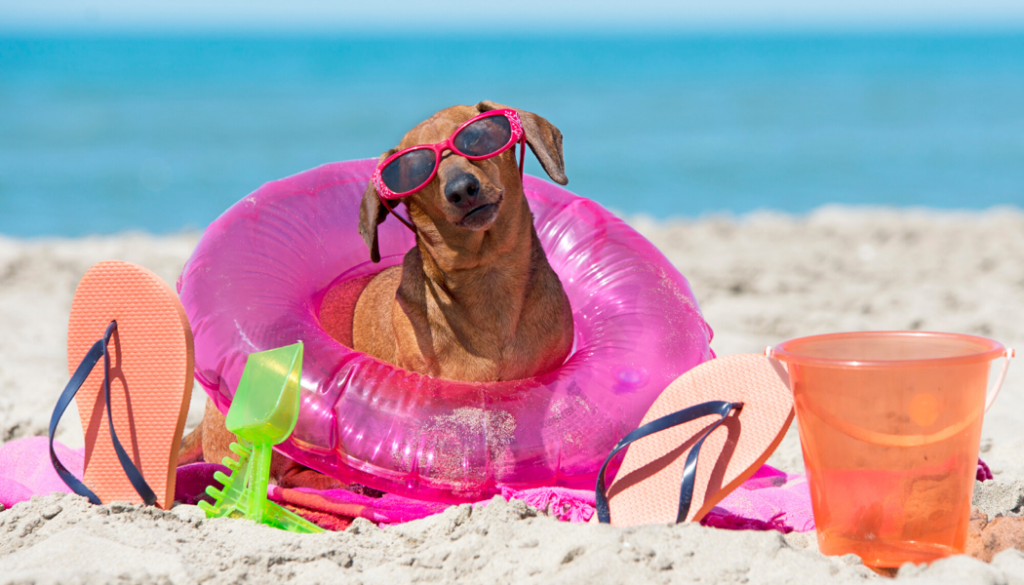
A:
(372, 213)
(544, 139)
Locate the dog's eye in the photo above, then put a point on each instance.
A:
(485, 136)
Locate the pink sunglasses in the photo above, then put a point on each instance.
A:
(411, 169)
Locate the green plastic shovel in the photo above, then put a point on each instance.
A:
(263, 413)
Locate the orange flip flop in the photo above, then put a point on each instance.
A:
(145, 343)
(731, 411)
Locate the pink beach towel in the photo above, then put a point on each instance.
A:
(769, 500)
(26, 471)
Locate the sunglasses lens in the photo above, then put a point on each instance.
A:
(485, 136)
(409, 171)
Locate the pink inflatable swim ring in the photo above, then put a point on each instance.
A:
(258, 279)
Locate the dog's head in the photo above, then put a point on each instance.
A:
(465, 196)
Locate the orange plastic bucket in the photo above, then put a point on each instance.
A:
(890, 424)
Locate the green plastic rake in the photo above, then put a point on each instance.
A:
(263, 413)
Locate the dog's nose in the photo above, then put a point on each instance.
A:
(462, 190)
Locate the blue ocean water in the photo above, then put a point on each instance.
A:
(101, 135)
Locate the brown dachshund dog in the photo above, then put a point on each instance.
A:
(474, 300)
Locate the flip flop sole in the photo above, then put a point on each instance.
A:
(151, 374)
(646, 487)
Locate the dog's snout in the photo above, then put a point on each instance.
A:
(462, 190)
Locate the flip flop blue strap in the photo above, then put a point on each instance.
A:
(74, 384)
(668, 421)
(76, 381)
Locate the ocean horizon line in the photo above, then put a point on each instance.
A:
(826, 211)
(653, 34)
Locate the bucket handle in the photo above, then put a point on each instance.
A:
(897, 440)
(1009, 354)
(990, 397)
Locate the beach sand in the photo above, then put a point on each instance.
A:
(760, 279)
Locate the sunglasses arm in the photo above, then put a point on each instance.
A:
(407, 223)
(522, 157)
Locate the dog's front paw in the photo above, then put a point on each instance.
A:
(286, 473)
